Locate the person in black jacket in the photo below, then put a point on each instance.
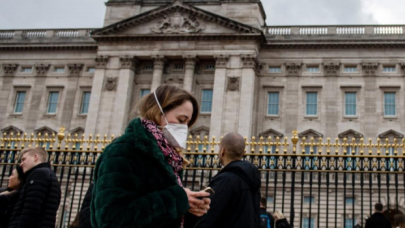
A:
(40, 196)
(84, 215)
(236, 202)
(280, 220)
(378, 220)
(9, 197)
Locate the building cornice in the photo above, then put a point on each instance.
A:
(47, 47)
(310, 44)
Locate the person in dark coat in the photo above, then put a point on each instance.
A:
(9, 197)
(137, 180)
(266, 219)
(236, 202)
(40, 196)
(280, 220)
(84, 214)
(378, 220)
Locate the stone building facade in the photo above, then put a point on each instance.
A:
(324, 81)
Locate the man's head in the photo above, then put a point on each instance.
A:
(32, 157)
(263, 202)
(231, 148)
(378, 207)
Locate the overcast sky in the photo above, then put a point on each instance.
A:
(24, 14)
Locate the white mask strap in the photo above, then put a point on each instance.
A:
(157, 101)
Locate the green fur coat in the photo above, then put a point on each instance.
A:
(134, 186)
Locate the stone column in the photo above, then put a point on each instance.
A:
(218, 96)
(158, 65)
(122, 100)
(190, 61)
(247, 95)
(96, 92)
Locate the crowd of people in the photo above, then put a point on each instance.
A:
(138, 180)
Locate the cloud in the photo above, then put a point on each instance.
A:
(317, 12)
(22, 14)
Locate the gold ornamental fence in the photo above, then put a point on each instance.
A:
(292, 169)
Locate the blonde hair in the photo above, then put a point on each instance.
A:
(41, 152)
(278, 214)
(169, 98)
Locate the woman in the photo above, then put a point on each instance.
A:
(137, 181)
(9, 198)
(280, 220)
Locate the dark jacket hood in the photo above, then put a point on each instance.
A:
(245, 170)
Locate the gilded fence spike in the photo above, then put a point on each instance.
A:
(31, 140)
(277, 144)
(213, 143)
(311, 146)
(328, 145)
(285, 145)
(370, 146)
(362, 146)
(387, 146)
(253, 145)
(379, 145)
(395, 145)
(189, 142)
(353, 146)
(294, 140)
(269, 144)
(205, 142)
(345, 145)
(320, 145)
(303, 144)
(61, 136)
(261, 145)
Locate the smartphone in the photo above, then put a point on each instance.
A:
(209, 190)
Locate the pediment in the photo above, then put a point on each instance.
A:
(11, 129)
(310, 133)
(390, 134)
(45, 130)
(270, 132)
(176, 19)
(78, 130)
(349, 134)
(199, 130)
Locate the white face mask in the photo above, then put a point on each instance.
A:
(176, 134)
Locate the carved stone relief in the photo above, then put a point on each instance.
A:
(293, 69)
(221, 61)
(128, 62)
(9, 69)
(158, 61)
(101, 61)
(177, 23)
(75, 69)
(249, 61)
(41, 69)
(331, 68)
(369, 68)
(111, 84)
(233, 84)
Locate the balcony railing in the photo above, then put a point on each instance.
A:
(336, 30)
(45, 33)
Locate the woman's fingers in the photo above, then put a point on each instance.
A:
(193, 200)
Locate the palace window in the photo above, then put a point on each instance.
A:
(312, 104)
(52, 102)
(143, 93)
(59, 69)
(312, 69)
(389, 69)
(349, 200)
(26, 69)
(350, 103)
(308, 222)
(91, 69)
(350, 69)
(206, 101)
(389, 104)
(19, 102)
(274, 69)
(349, 223)
(309, 199)
(273, 103)
(85, 103)
(178, 66)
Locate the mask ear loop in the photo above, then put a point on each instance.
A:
(157, 101)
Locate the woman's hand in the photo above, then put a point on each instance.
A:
(5, 193)
(198, 207)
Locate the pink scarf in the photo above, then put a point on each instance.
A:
(172, 157)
